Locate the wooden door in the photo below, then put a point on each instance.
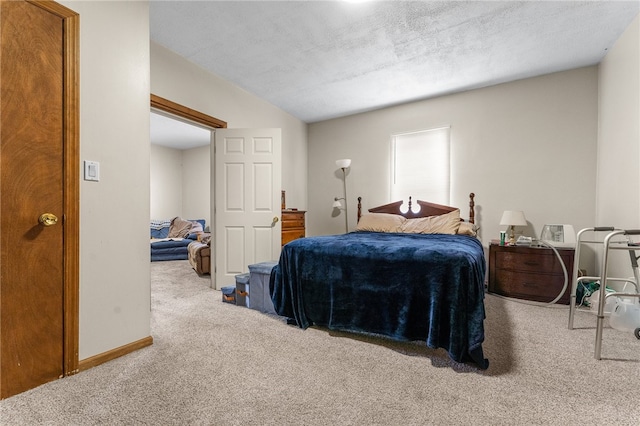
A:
(38, 266)
(247, 200)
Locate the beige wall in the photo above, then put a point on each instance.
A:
(114, 213)
(528, 145)
(166, 182)
(618, 178)
(196, 183)
(180, 183)
(181, 81)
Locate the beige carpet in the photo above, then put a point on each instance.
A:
(219, 364)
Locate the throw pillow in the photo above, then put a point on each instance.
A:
(380, 222)
(442, 224)
(179, 228)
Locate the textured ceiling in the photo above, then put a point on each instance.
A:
(320, 60)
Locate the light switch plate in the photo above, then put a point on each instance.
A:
(91, 170)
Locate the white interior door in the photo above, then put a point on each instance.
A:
(247, 200)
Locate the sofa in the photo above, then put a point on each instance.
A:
(170, 239)
(199, 256)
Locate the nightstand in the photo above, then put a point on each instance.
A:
(532, 273)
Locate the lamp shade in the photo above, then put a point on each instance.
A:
(513, 217)
(344, 163)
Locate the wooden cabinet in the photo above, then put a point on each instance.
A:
(532, 273)
(293, 226)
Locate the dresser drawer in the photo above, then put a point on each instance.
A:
(291, 235)
(293, 223)
(530, 286)
(293, 216)
(531, 263)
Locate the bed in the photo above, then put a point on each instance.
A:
(389, 278)
(170, 239)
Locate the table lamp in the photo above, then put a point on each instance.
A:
(513, 218)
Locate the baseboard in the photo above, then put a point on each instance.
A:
(96, 360)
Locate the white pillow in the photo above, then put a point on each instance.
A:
(442, 224)
(467, 228)
(380, 222)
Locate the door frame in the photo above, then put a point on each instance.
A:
(71, 184)
(182, 111)
(175, 109)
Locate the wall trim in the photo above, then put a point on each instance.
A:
(96, 360)
(174, 108)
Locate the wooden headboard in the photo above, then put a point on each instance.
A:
(426, 209)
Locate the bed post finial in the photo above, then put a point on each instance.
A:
(359, 208)
(472, 205)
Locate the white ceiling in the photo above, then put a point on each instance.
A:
(324, 59)
(174, 133)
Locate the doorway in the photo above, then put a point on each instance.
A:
(39, 214)
(247, 191)
(180, 172)
(181, 178)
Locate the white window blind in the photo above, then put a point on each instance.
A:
(420, 166)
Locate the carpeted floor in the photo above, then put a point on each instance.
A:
(218, 364)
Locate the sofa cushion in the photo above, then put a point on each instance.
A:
(160, 233)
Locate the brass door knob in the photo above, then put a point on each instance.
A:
(275, 219)
(48, 219)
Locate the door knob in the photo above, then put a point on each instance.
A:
(48, 219)
(275, 219)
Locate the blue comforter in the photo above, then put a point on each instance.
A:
(404, 286)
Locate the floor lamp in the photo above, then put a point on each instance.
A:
(344, 165)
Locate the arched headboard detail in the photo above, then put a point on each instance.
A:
(426, 209)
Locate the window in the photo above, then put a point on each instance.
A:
(420, 166)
